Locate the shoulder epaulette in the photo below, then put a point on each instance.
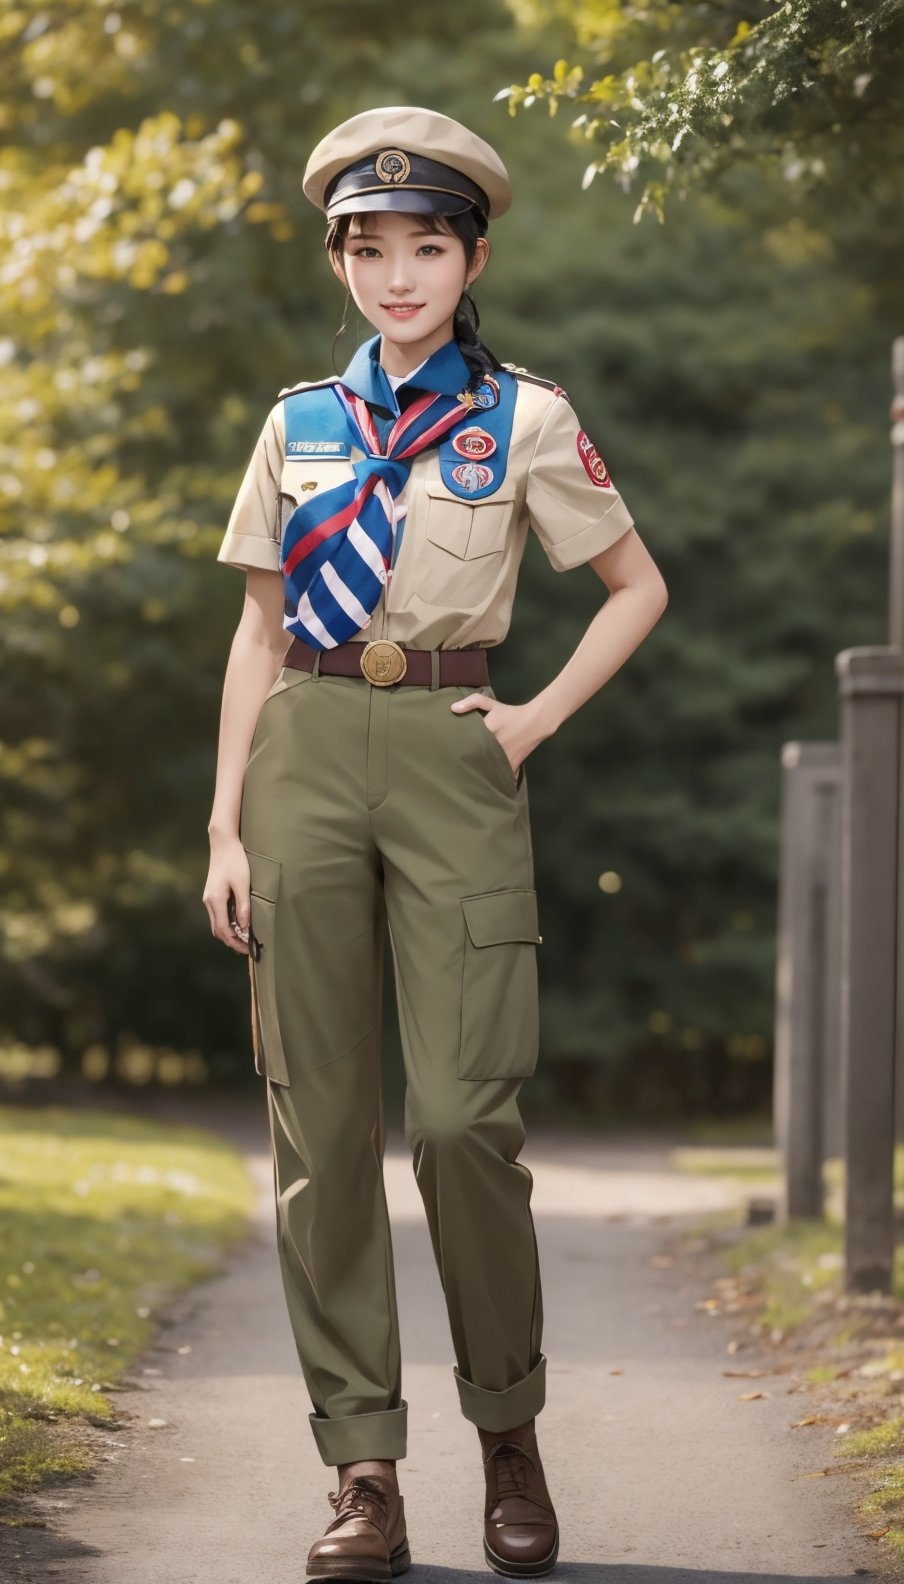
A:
(290, 390)
(534, 379)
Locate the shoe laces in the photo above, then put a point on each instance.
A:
(511, 1475)
(348, 1500)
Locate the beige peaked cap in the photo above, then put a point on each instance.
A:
(427, 134)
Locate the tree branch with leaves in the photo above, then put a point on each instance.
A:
(685, 92)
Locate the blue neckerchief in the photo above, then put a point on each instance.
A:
(311, 416)
(338, 545)
(445, 371)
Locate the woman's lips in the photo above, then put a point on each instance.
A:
(403, 310)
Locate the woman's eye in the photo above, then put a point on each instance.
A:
(430, 247)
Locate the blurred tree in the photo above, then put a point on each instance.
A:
(160, 284)
(713, 361)
(163, 277)
(687, 91)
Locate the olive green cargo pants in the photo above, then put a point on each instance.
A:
(367, 806)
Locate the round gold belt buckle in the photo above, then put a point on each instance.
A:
(383, 662)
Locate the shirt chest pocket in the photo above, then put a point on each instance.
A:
(306, 479)
(463, 543)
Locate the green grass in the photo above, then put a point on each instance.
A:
(792, 1263)
(748, 1162)
(798, 1259)
(756, 1130)
(885, 1500)
(102, 1218)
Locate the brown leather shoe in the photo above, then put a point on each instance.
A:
(520, 1531)
(367, 1538)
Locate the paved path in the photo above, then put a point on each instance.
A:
(659, 1473)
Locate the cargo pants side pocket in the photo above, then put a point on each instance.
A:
(500, 1012)
(269, 1056)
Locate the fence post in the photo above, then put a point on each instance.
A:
(896, 569)
(871, 684)
(896, 637)
(806, 1095)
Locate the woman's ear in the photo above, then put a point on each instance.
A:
(479, 262)
(337, 267)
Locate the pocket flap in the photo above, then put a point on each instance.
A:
(303, 477)
(437, 489)
(496, 916)
(264, 875)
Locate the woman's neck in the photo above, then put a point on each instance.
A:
(401, 357)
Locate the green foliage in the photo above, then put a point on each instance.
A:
(100, 1218)
(713, 363)
(686, 92)
(163, 278)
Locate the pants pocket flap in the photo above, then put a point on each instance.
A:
(264, 875)
(496, 916)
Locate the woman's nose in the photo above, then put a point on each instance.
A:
(400, 280)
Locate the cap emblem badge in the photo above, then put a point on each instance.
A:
(392, 166)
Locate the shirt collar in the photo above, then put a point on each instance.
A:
(444, 371)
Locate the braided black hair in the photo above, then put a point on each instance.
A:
(478, 356)
(467, 226)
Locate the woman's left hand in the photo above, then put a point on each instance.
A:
(517, 727)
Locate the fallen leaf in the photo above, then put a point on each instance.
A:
(752, 1374)
(751, 1396)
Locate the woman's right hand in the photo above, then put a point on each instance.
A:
(228, 878)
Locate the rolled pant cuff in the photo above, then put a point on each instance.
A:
(503, 1410)
(357, 1436)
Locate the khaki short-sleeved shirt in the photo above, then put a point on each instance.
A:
(453, 581)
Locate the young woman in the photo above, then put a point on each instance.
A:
(370, 781)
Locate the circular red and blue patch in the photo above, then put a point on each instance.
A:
(474, 443)
(486, 394)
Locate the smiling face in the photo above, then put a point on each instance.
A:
(406, 273)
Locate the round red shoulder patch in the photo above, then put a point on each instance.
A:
(596, 469)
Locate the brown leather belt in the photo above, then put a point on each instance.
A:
(384, 662)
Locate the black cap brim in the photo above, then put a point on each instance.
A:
(410, 200)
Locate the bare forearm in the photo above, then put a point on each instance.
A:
(251, 670)
(616, 630)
